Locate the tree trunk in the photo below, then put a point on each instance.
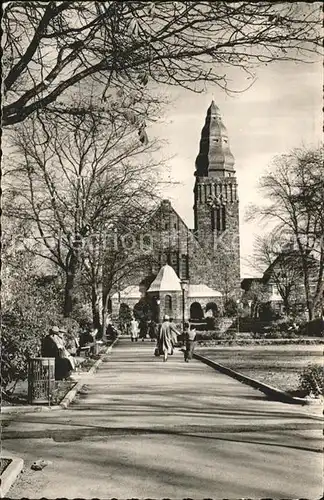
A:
(69, 286)
(305, 266)
(105, 300)
(286, 304)
(95, 299)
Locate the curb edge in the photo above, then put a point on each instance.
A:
(10, 474)
(266, 389)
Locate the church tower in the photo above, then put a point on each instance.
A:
(216, 204)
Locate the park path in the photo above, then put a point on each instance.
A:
(144, 428)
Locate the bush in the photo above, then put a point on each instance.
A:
(82, 313)
(32, 305)
(312, 380)
(230, 308)
(21, 340)
(210, 323)
(72, 331)
(267, 312)
(314, 328)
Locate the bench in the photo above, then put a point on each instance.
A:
(85, 350)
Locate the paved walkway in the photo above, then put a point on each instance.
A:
(143, 428)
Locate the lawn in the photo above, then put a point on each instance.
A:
(278, 366)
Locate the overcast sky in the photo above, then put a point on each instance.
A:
(282, 110)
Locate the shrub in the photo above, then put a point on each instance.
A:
(82, 313)
(21, 339)
(72, 331)
(230, 308)
(210, 323)
(312, 380)
(32, 304)
(267, 312)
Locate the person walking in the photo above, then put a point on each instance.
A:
(143, 329)
(190, 337)
(152, 330)
(165, 345)
(134, 330)
(174, 334)
(94, 345)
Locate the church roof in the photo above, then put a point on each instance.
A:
(166, 281)
(201, 291)
(214, 157)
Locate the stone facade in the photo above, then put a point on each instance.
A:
(210, 253)
(216, 205)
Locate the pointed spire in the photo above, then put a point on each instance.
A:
(215, 157)
(166, 281)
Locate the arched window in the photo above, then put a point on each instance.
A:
(213, 222)
(168, 305)
(219, 219)
(196, 311)
(211, 309)
(223, 219)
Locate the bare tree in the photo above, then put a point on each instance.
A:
(117, 252)
(73, 182)
(294, 189)
(282, 266)
(258, 294)
(49, 47)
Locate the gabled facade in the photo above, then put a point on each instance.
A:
(207, 255)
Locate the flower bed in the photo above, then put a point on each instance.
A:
(241, 341)
(278, 366)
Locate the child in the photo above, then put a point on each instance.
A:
(190, 336)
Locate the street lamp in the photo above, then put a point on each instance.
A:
(158, 301)
(184, 288)
(238, 315)
(250, 307)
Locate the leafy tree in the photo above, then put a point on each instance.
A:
(125, 314)
(50, 47)
(294, 190)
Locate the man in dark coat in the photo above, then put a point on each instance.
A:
(143, 329)
(165, 345)
(153, 330)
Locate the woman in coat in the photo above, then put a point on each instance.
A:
(174, 334)
(134, 330)
(165, 345)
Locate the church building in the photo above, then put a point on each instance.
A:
(193, 272)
